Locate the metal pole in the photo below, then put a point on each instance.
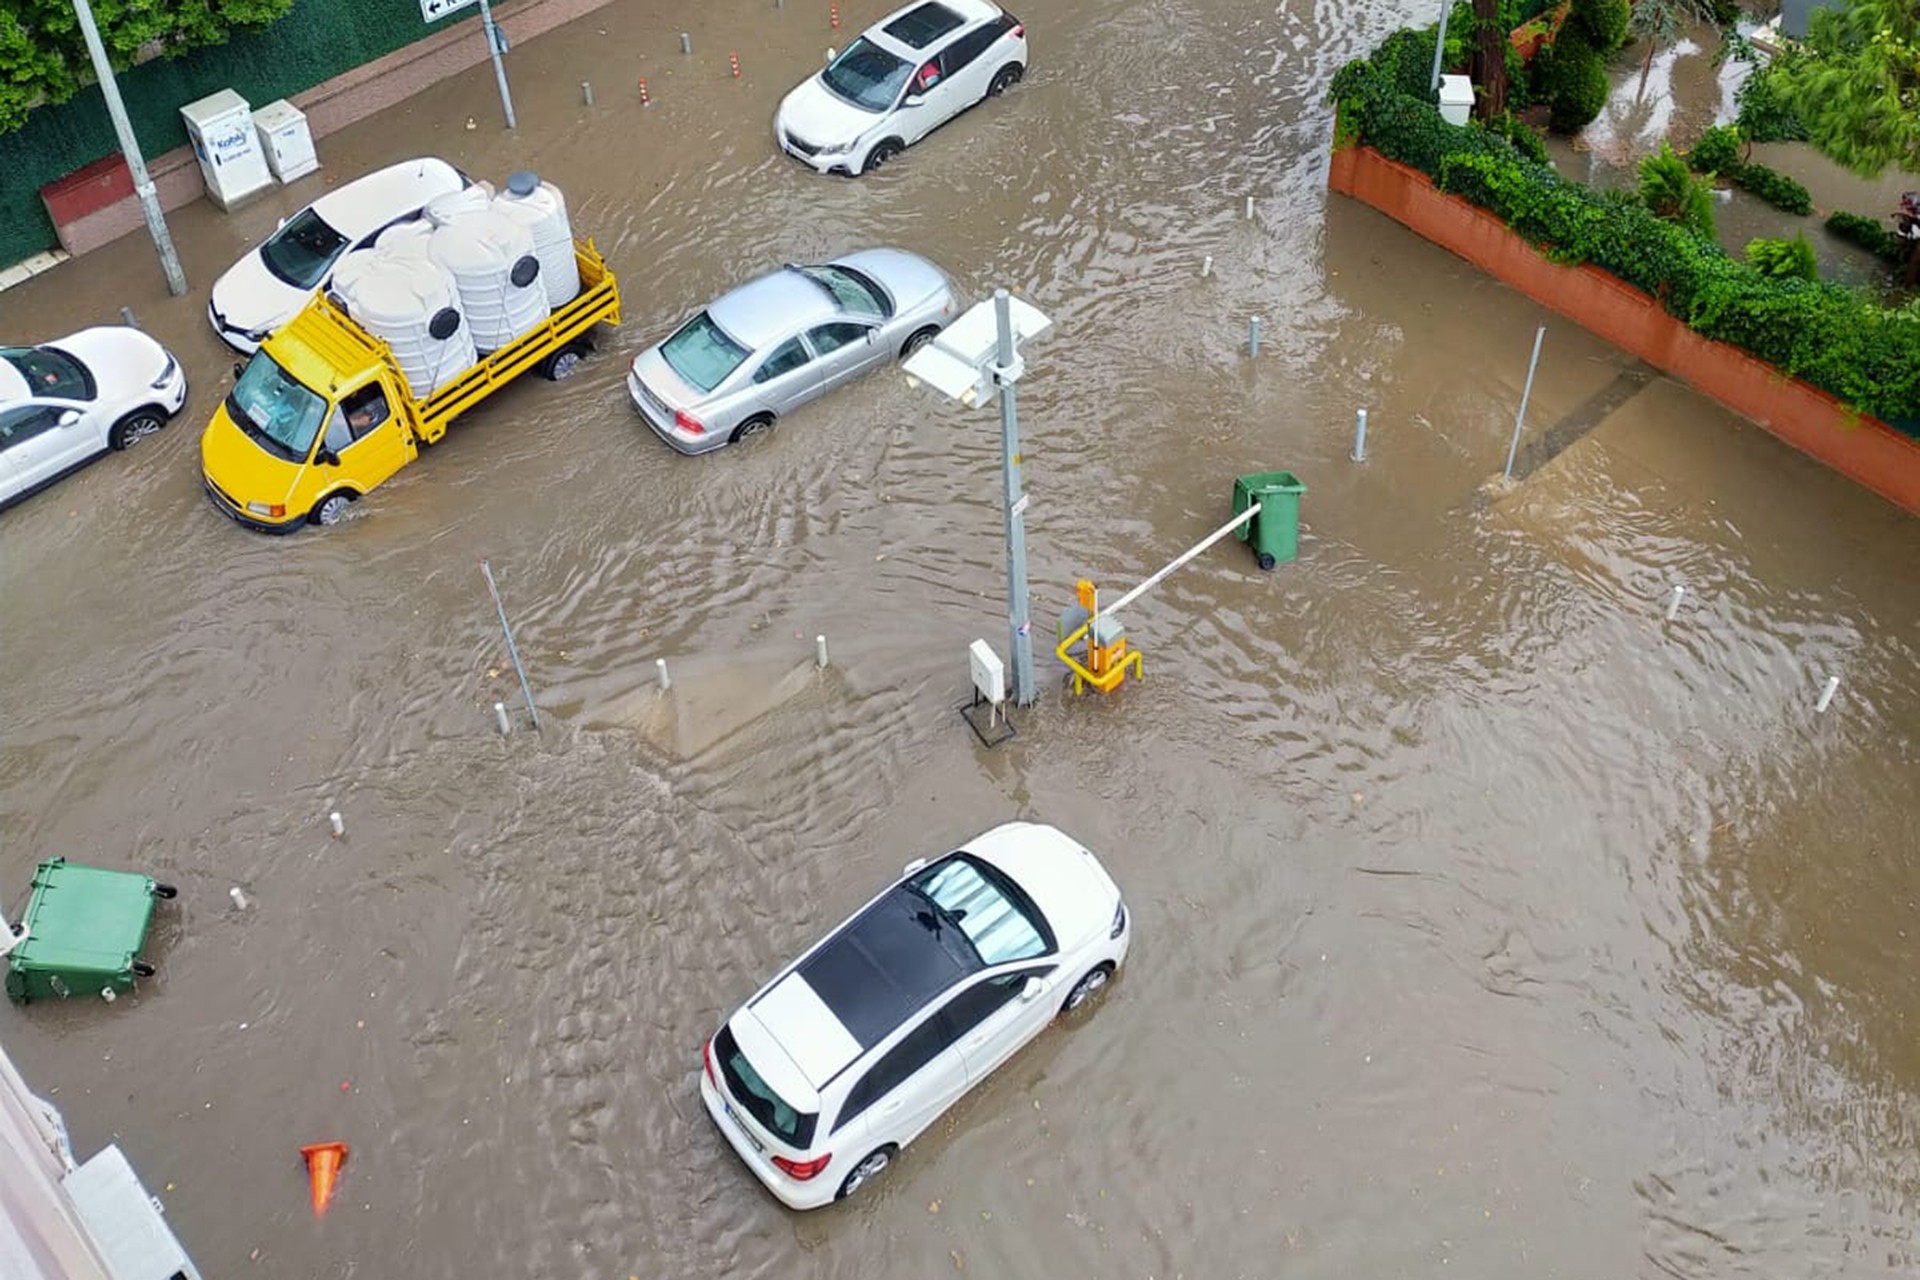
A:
(492, 32)
(1439, 46)
(1521, 416)
(136, 165)
(1019, 625)
(1185, 556)
(512, 651)
(1360, 436)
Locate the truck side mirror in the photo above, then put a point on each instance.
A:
(327, 458)
(239, 367)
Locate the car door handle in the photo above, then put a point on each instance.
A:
(892, 1107)
(978, 1041)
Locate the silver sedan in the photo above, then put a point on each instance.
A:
(775, 343)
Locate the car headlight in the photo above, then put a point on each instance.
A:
(1119, 921)
(837, 149)
(166, 375)
(273, 509)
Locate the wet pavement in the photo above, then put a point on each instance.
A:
(1484, 920)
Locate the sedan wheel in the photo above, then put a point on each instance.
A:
(917, 341)
(866, 1171)
(751, 427)
(1004, 79)
(881, 153)
(135, 427)
(1085, 989)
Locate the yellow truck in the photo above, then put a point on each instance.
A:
(322, 413)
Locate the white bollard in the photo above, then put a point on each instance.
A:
(500, 715)
(686, 43)
(1249, 208)
(586, 93)
(239, 898)
(1253, 337)
(1206, 267)
(339, 824)
(666, 681)
(1673, 606)
(1360, 436)
(820, 650)
(1826, 695)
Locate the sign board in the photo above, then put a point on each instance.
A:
(1020, 507)
(431, 10)
(989, 675)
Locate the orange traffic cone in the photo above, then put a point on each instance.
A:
(323, 1168)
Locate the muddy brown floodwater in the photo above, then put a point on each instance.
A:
(1485, 921)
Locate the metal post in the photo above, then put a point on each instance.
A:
(666, 681)
(136, 165)
(1826, 695)
(820, 650)
(500, 715)
(1521, 417)
(686, 43)
(586, 92)
(1439, 46)
(1673, 608)
(492, 32)
(1019, 625)
(512, 651)
(126, 315)
(1360, 436)
(1253, 337)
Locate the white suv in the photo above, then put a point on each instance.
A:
(842, 1060)
(907, 75)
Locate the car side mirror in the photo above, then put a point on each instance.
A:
(327, 458)
(69, 416)
(239, 367)
(913, 100)
(913, 866)
(1032, 990)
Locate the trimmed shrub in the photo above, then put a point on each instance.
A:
(1524, 140)
(1777, 189)
(1784, 259)
(1832, 337)
(1670, 192)
(1868, 234)
(1762, 116)
(1574, 83)
(1602, 22)
(1717, 152)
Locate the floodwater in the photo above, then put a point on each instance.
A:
(1486, 922)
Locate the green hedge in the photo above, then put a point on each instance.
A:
(1718, 153)
(1868, 234)
(1828, 335)
(318, 40)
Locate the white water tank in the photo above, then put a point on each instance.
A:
(544, 211)
(1456, 99)
(413, 304)
(493, 265)
(454, 206)
(406, 239)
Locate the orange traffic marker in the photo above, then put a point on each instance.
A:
(323, 1169)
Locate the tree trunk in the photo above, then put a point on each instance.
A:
(1489, 65)
(1646, 68)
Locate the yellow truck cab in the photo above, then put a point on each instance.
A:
(322, 413)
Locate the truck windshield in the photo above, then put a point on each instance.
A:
(279, 413)
(702, 353)
(300, 252)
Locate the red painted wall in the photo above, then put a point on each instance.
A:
(1863, 449)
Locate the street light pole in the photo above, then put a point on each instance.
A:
(1019, 624)
(1439, 45)
(136, 165)
(492, 33)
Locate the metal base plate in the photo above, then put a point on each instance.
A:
(992, 729)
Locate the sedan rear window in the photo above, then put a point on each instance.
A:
(997, 918)
(300, 252)
(866, 76)
(702, 353)
(775, 1114)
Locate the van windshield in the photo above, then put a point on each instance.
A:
(282, 416)
(300, 252)
(775, 1114)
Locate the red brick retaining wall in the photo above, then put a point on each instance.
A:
(1863, 449)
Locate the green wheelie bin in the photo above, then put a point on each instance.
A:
(1274, 534)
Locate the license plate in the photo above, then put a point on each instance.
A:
(741, 1126)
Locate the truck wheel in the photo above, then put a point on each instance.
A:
(331, 508)
(561, 364)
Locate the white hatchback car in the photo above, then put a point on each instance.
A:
(907, 75)
(64, 404)
(266, 288)
(822, 1077)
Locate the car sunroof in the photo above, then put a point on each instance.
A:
(918, 28)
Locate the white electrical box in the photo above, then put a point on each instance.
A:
(286, 140)
(220, 126)
(1456, 99)
(125, 1222)
(989, 673)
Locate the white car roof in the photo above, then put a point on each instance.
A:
(374, 200)
(970, 13)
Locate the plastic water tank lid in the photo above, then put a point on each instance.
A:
(1456, 89)
(523, 183)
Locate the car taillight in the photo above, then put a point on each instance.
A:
(688, 423)
(800, 1171)
(706, 1055)
(1018, 31)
